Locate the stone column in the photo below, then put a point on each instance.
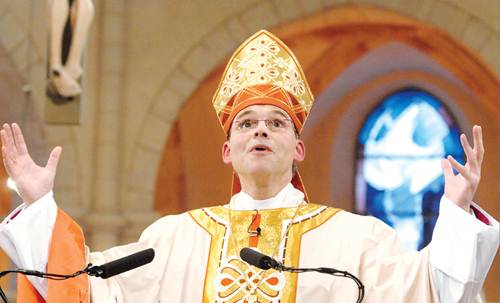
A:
(104, 219)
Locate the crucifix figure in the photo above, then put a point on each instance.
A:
(64, 73)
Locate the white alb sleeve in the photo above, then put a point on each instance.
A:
(461, 252)
(26, 237)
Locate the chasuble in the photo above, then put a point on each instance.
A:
(197, 259)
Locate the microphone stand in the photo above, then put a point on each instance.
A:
(324, 270)
(265, 262)
(51, 276)
(103, 271)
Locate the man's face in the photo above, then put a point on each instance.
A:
(259, 148)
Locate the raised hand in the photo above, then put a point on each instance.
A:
(461, 188)
(32, 181)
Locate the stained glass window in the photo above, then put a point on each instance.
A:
(399, 177)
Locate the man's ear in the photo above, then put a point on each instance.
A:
(300, 151)
(226, 153)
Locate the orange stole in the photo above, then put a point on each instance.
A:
(66, 256)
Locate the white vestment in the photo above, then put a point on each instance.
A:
(195, 255)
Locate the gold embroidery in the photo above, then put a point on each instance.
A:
(237, 281)
(225, 280)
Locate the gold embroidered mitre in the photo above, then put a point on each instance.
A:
(263, 70)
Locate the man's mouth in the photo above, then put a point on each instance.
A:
(261, 148)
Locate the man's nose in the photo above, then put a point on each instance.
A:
(261, 129)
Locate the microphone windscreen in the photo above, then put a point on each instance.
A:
(255, 258)
(127, 263)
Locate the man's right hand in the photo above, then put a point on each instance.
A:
(32, 181)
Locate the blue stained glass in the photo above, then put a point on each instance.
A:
(399, 177)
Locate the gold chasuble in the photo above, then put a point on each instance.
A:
(229, 279)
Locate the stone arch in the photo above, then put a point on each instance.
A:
(410, 33)
(311, 40)
(207, 53)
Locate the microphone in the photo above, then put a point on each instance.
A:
(265, 262)
(121, 265)
(258, 259)
(104, 271)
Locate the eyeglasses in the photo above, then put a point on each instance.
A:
(275, 124)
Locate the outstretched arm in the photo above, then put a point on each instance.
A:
(462, 247)
(27, 238)
(32, 181)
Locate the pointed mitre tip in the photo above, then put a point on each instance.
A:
(263, 32)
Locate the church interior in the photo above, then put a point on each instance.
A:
(139, 135)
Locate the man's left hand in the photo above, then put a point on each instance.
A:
(461, 188)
